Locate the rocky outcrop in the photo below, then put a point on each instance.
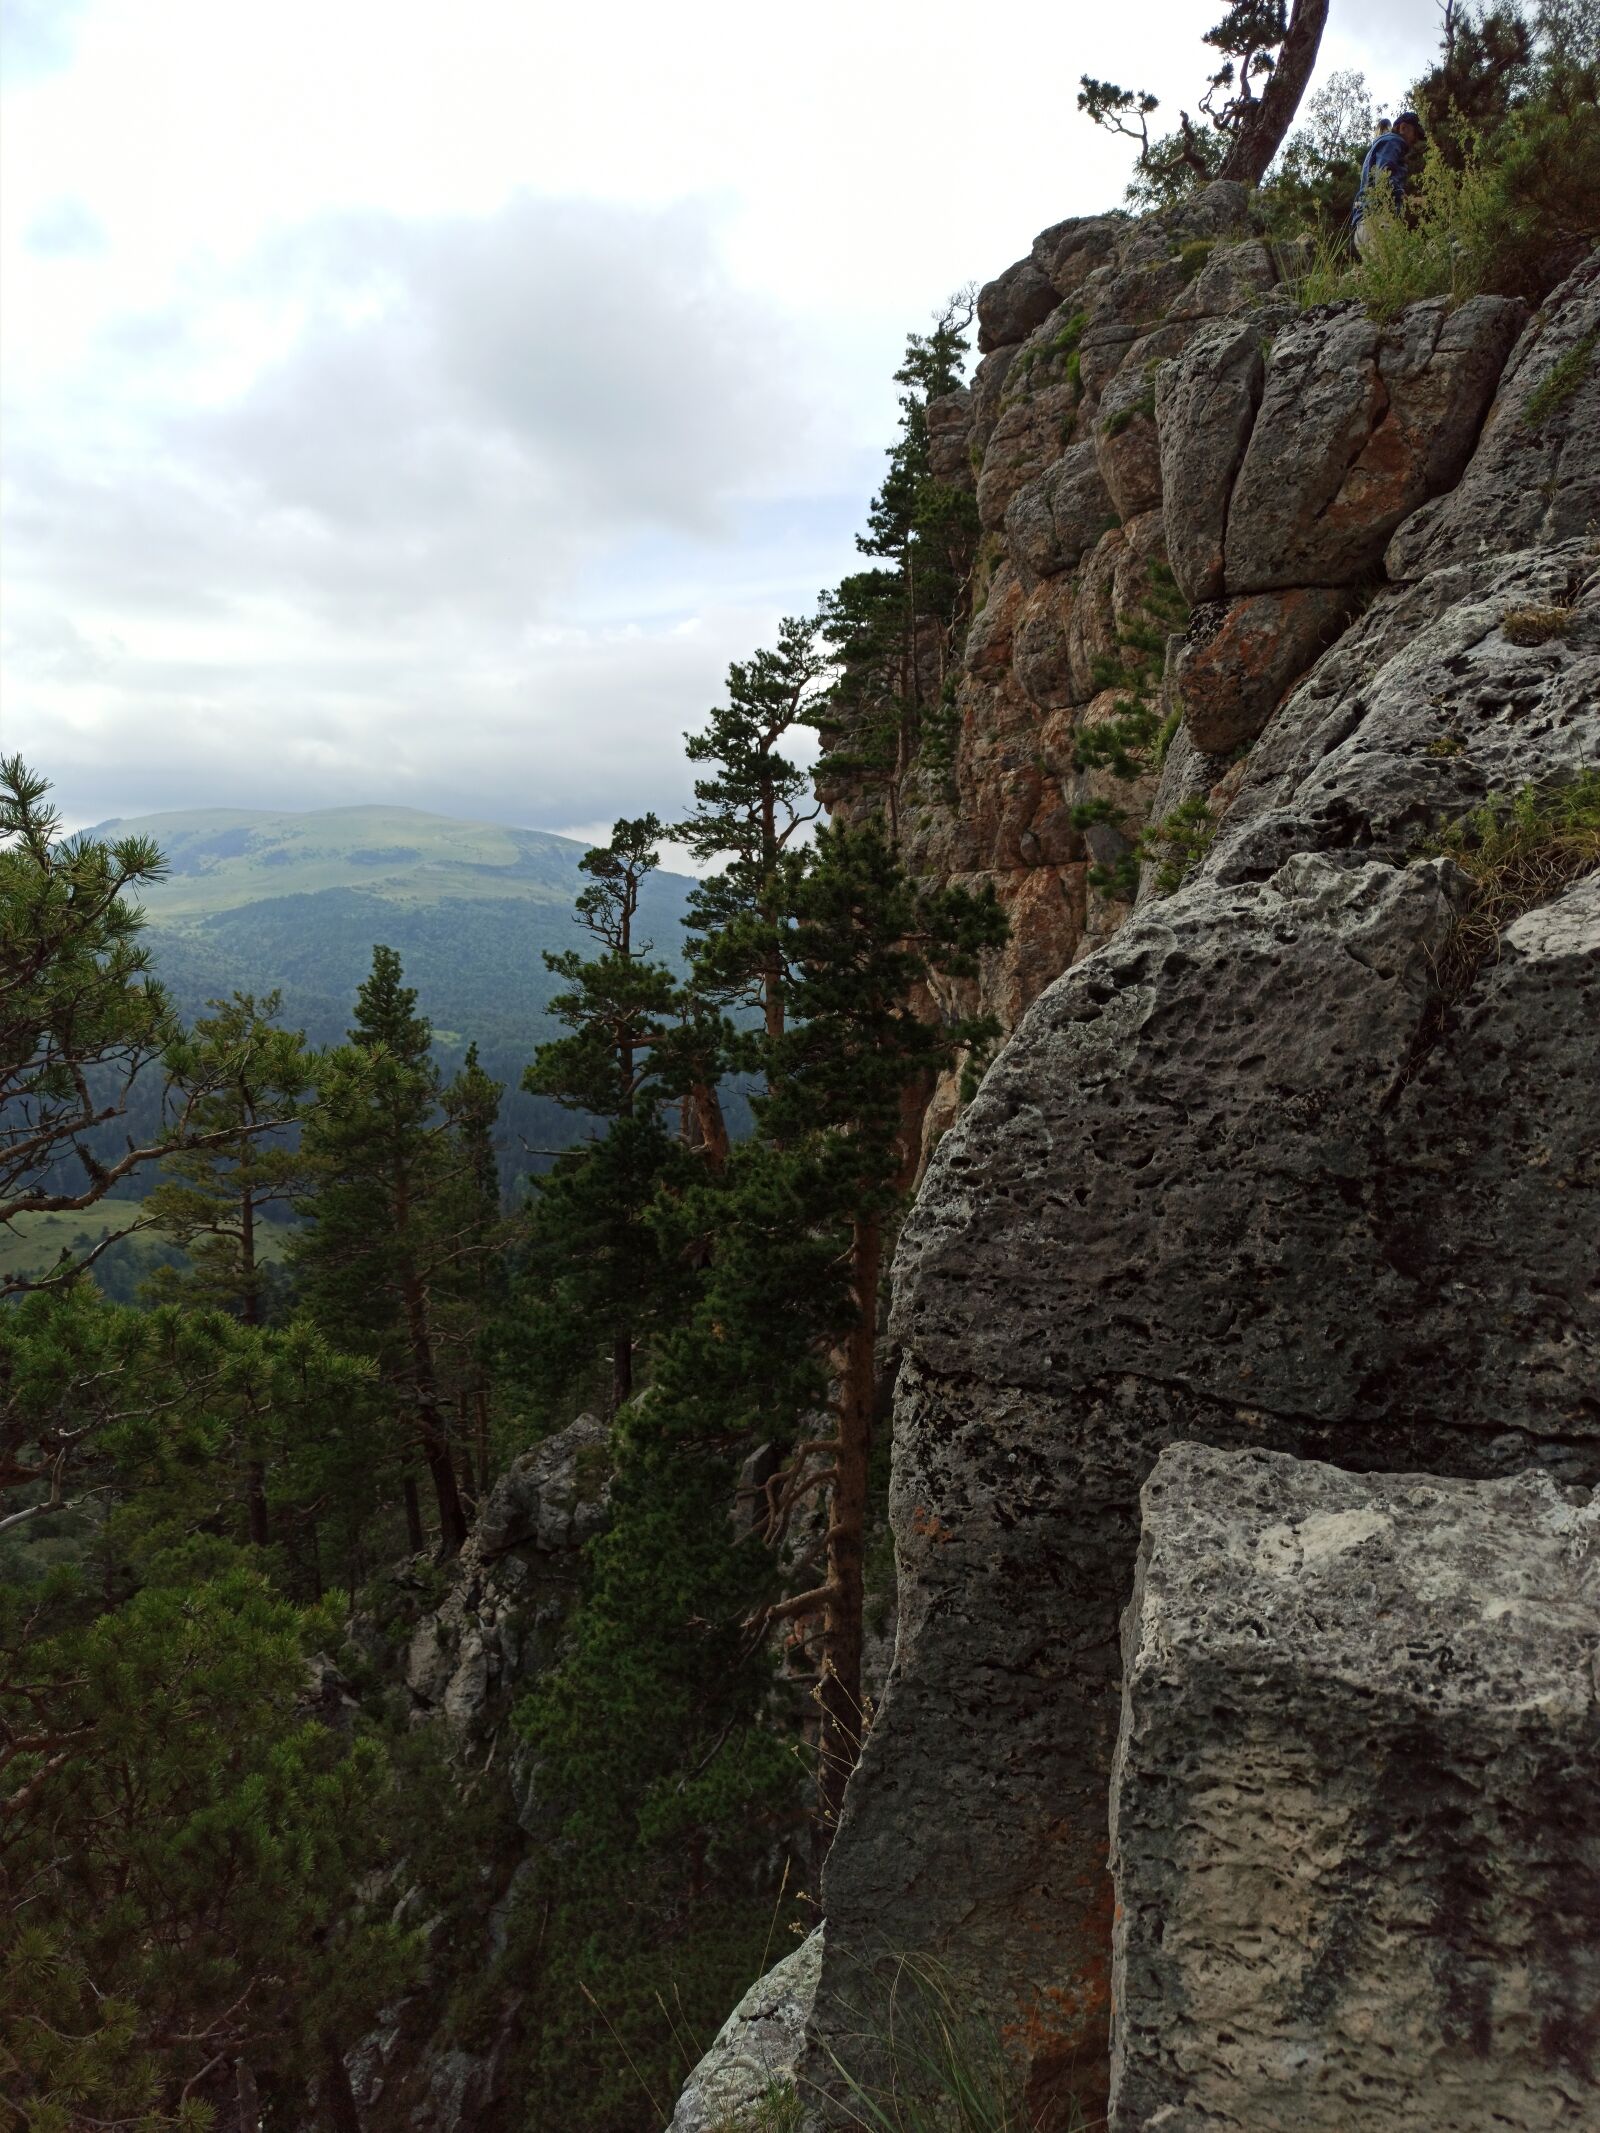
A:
(1061, 441)
(1254, 1173)
(461, 1663)
(1536, 474)
(512, 1584)
(1355, 1810)
(757, 2048)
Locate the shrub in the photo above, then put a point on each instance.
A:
(1445, 244)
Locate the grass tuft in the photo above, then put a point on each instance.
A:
(1518, 854)
(778, 2111)
(1565, 377)
(1535, 625)
(946, 2070)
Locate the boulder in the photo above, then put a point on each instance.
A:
(1356, 1802)
(1359, 423)
(1234, 675)
(1233, 278)
(1068, 252)
(756, 2049)
(988, 649)
(551, 1497)
(1423, 709)
(1535, 476)
(949, 420)
(1010, 306)
(987, 390)
(1040, 654)
(1028, 438)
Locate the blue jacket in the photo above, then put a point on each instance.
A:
(1386, 155)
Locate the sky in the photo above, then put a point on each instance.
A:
(423, 406)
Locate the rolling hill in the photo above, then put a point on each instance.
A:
(254, 900)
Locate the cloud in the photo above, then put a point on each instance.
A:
(65, 229)
(482, 532)
(468, 410)
(37, 37)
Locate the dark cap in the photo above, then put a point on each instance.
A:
(1409, 118)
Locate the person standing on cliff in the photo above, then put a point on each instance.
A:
(1386, 158)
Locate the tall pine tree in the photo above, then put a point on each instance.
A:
(385, 1225)
(249, 1077)
(596, 1283)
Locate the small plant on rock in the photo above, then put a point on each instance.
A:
(1528, 626)
(1563, 381)
(1517, 855)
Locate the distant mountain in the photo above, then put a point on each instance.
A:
(254, 900)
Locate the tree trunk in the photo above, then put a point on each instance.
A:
(621, 1370)
(1260, 137)
(416, 1539)
(708, 1125)
(481, 1404)
(255, 1472)
(338, 2098)
(431, 1430)
(255, 1491)
(839, 1693)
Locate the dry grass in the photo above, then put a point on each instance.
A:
(945, 2070)
(1535, 625)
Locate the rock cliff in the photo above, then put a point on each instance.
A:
(1294, 1151)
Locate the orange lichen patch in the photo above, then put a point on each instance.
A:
(927, 1525)
(1232, 684)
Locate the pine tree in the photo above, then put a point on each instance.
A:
(595, 1280)
(84, 1026)
(848, 1083)
(181, 1845)
(894, 633)
(475, 1289)
(249, 1077)
(749, 812)
(1270, 42)
(385, 1224)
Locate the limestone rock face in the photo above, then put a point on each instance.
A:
(1010, 306)
(756, 2049)
(1358, 424)
(464, 1659)
(512, 1582)
(1355, 1808)
(1242, 1177)
(1206, 404)
(1232, 675)
(1063, 442)
(1536, 474)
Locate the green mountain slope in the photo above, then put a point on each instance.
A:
(254, 900)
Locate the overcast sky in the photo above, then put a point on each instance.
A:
(423, 405)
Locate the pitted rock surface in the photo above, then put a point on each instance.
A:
(1356, 1803)
(756, 2049)
(1238, 1178)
